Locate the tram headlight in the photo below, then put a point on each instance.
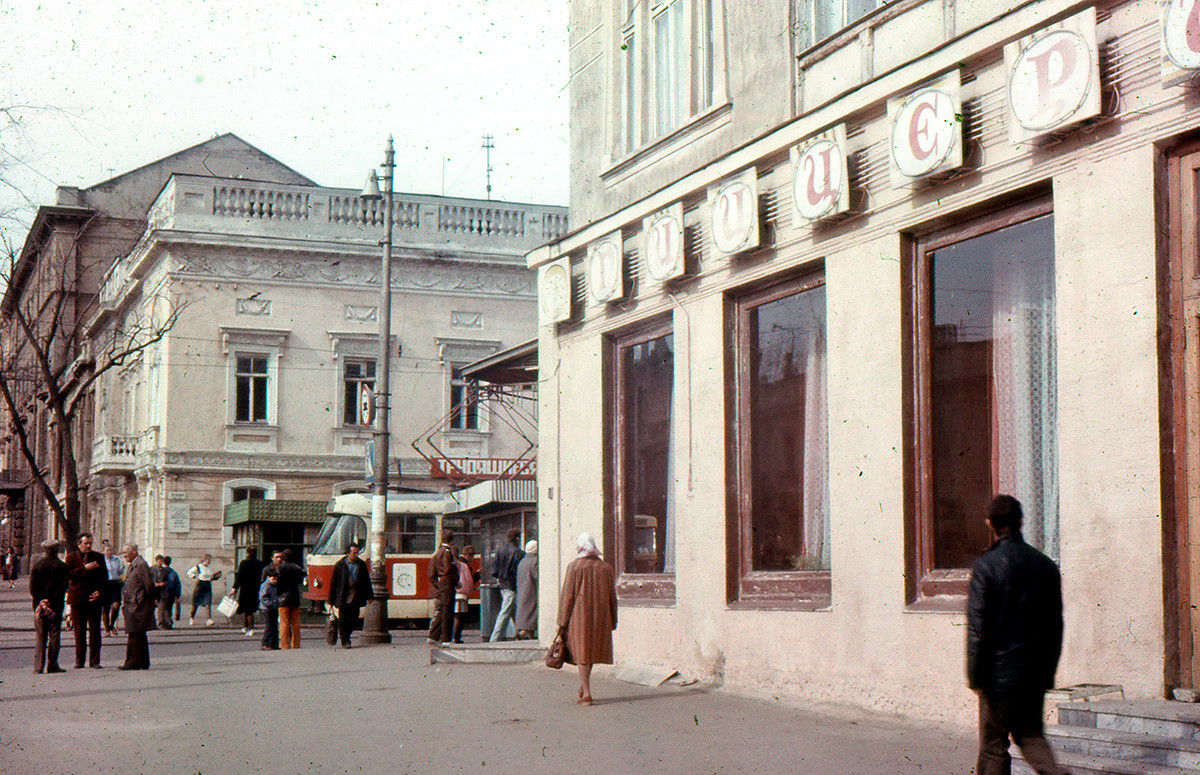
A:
(316, 583)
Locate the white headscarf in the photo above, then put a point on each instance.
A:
(585, 545)
(531, 547)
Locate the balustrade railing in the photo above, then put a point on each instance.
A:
(315, 209)
(122, 446)
(259, 203)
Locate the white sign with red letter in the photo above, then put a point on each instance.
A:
(1053, 77)
(733, 213)
(662, 243)
(554, 292)
(1180, 40)
(927, 131)
(605, 270)
(820, 184)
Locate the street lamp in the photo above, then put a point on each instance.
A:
(375, 616)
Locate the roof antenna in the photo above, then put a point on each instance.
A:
(488, 145)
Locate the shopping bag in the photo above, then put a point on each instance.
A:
(228, 606)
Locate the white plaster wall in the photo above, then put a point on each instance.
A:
(1109, 489)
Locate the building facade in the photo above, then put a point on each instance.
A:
(843, 271)
(257, 388)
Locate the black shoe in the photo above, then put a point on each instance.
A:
(126, 667)
(79, 666)
(54, 669)
(346, 645)
(96, 667)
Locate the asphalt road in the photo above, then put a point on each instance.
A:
(213, 703)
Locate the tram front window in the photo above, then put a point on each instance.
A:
(337, 533)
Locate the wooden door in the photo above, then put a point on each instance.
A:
(1182, 538)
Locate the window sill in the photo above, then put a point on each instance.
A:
(251, 437)
(708, 121)
(798, 590)
(353, 436)
(767, 604)
(944, 604)
(647, 589)
(843, 37)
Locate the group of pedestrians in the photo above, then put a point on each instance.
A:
(273, 589)
(82, 581)
(515, 572)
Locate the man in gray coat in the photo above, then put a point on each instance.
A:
(138, 600)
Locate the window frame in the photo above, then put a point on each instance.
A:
(472, 400)
(695, 70)
(252, 377)
(928, 587)
(352, 401)
(808, 20)
(746, 587)
(646, 589)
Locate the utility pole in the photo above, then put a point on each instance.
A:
(488, 145)
(375, 617)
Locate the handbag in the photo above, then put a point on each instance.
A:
(227, 606)
(556, 655)
(331, 630)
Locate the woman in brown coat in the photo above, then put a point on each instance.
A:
(587, 613)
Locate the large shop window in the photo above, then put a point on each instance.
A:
(779, 551)
(982, 382)
(644, 504)
(667, 66)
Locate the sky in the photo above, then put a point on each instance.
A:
(92, 89)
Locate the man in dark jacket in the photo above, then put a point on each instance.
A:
(85, 594)
(291, 580)
(504, 569)
(1014, 638)
(349, 590)
(443, 576)
(48, 588)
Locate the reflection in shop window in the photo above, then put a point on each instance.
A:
(645, 515)
(779, 449)
(986, 377)
(788, 445)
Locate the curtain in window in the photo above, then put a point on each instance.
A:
(1025, 387)
(816, 452)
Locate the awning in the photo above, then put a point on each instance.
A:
(492, 495)
(263, 510)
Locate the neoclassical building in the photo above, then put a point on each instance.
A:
(256, 391)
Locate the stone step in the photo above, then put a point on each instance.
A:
(1083, 764)
(1113, 744)
(506, 652)
(1159, 718)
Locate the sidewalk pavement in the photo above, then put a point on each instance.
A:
(385, 709)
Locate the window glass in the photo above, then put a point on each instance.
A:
(337, 533)
(992, 399)
(646, 373)
(827, 17)
(788, 434)
(250, 399)
(356, 375)
(247, 493)
(464, 402)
